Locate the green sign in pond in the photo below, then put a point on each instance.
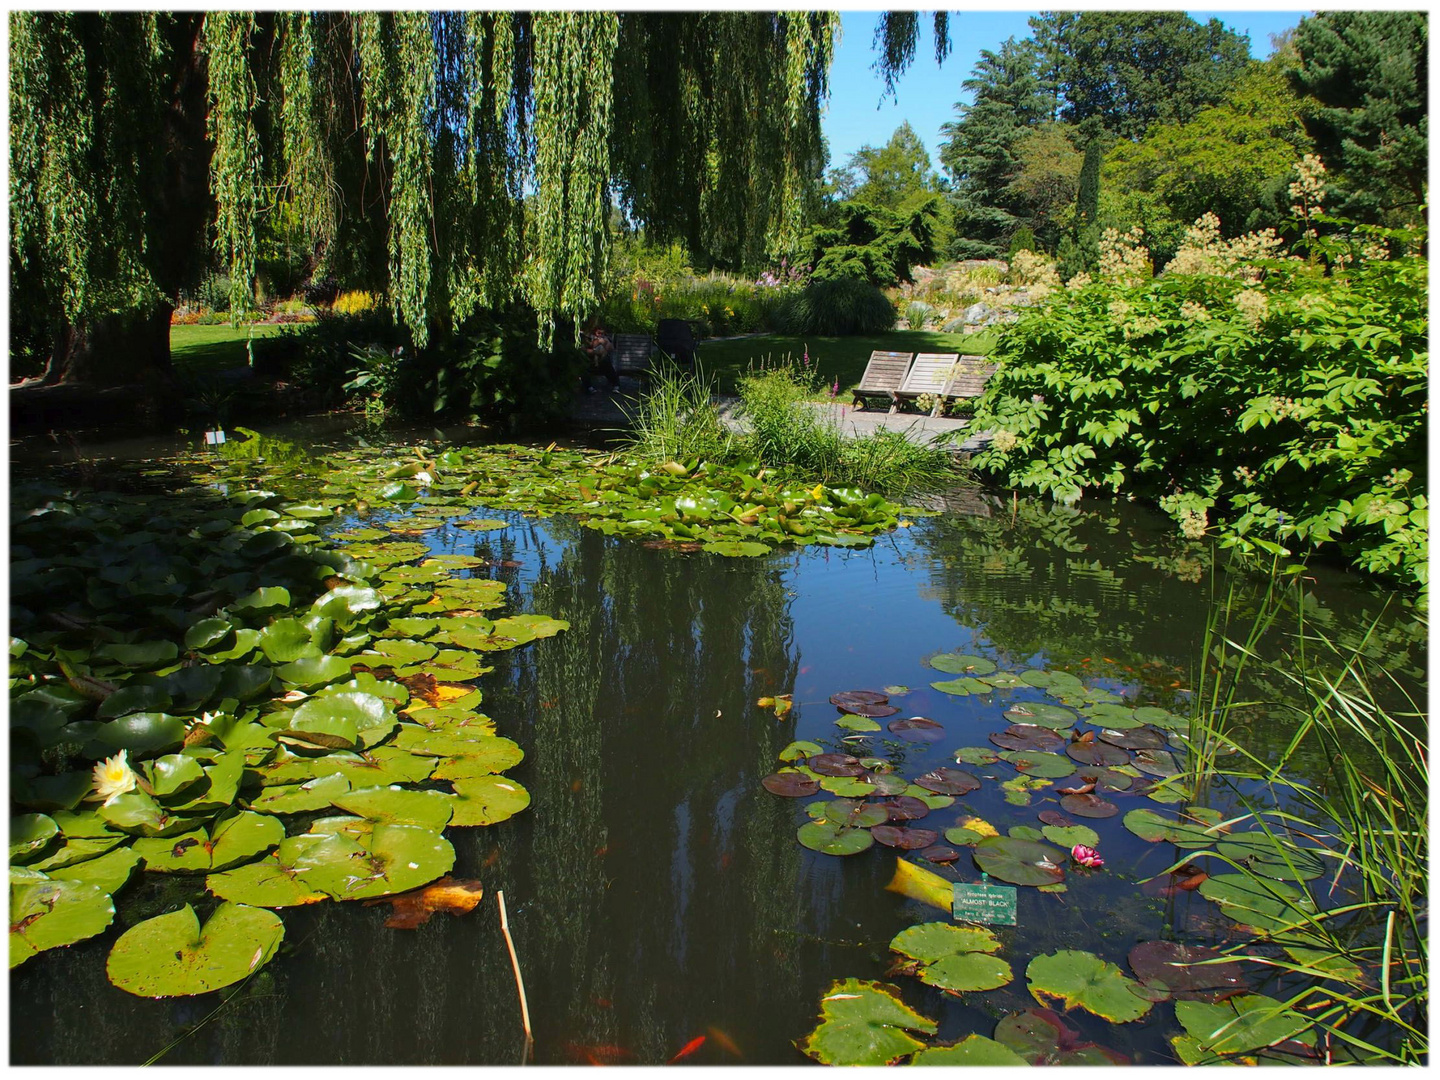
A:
(993, 905)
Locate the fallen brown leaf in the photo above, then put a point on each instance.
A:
(414, 908)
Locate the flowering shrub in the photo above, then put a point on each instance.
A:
(355, 302)
(1257, 399)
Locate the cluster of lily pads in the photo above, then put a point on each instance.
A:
(294, 720)
(692, 505)
(1102, 748)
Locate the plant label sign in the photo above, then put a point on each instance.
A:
(214, 438)
(992, 905)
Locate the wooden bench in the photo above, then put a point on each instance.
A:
(971, 375)
(632, 355)
(883, 377)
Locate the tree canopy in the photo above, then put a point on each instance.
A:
(474, 156)
(896, 176)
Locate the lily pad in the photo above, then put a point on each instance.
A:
(1082, 980)
(848, 813)
(885, 783)
(917, 729)
(1195, 831)
(799, 751)
(172, 956)
(929, 942)
(793, 785)
(870, 711)
(1238, 1025)
(1157, 762)
(904, 838)
(864, 1023)
(947, 781)
(971, 1050)
(1027, 737)
(1089, 806)
(314, 794)
(108, 872)
(30, 835)
(958, 834)
(278, 880)
(1067, 836)
(1140, 738)
(1020, 862)
(961, 664)
(976, 755)
(830, 839)
(428, 809)
(1040, 1037)
(48, 913)
(487, 800)
(1184, 970)
(962, 687)
(1270, 908)
(847, 699)
(1097, 753)
(905, 808)
(1055, 717)
(966, 973)
(836, 765)
(1273, 855)
(857, 723)
(1036, 763)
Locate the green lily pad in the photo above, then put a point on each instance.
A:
(864, 1023)
(30, 835)
(967, 973)
(1067, 836)
(1157, 762)
(1040, 1037)
(207, 633)
(1239, 1024)
(958, 834)
(830, 839)
(48, 913)
(142, 734)
(849, 813)
(857, 723)
(144, 697)
(1039, 763)
(172, 774)
(929, 942)
(381, 765)
(390, 859)
(1020, 862)
(61, 792)
(1082, 980)
(314, 794)
(486, 800)
(1272, 855)
(235, 840)
(172, 956)
(314, 672)
(1003, 680)
(142, 654)
(108, 872)
(482, 524)
(274, 881)
(976, 755)
(428, 809)
(971, 1050)
(961, 664)
(1154, 827)
(736, 548)
(1270, 908)
(962, 687)
(1055, 717)
(849, 787)
(801, 750)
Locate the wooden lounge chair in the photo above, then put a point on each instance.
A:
(932, 373)
(632, 355)
(883, 376)
(946, 375)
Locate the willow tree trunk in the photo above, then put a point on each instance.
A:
(114, 350)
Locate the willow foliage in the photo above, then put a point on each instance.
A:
(483, 153)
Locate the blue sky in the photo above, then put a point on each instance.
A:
(926, 94)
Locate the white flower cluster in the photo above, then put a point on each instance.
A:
(926, 402)
(1194, 312)
(1078, 282)
(1123, 258)
(1035, 271)
(1245, 475)
(1309, 190)
(1253, 307)
(1192, 524)
(1204, 252)
(1004, 441)
(1285, 407)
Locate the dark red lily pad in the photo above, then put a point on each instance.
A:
(1140, 738)
(1042, 1038)
(1089, 806)
(793, 785)
(939, 854)
(871, 712)
(1028, 737)
(1161, 962)
(846, 698)
(917, 729)
(1097, 753)
(904, 808)
(836, 765)
(1054, 817)
(947, 781)
(1106, 780)
(905, 839)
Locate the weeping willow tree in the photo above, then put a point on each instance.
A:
(462, 160)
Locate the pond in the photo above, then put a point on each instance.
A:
(656, 891)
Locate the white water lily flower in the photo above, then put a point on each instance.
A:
(114, 777)
(424, 479)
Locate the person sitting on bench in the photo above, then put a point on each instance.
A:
(599, 347)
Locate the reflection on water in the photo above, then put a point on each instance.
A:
(656, 892)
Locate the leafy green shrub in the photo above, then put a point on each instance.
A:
(214, 293)
(871, 243)
(835, 308)
(1284, 411)
(678, 420)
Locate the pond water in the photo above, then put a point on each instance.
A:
(656, 892)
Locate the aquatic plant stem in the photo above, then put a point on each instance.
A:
(519, 982)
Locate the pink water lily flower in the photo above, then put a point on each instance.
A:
(1086, 856)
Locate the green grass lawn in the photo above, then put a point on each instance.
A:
(198, 351)
(842, 357)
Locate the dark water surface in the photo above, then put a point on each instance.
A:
(656, 891)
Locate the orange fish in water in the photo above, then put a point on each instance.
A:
(688, 1049)
(805, 670)
(601, 851)
(491, 859)
(575, 785)
(725, 1042)
(599, 1054)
